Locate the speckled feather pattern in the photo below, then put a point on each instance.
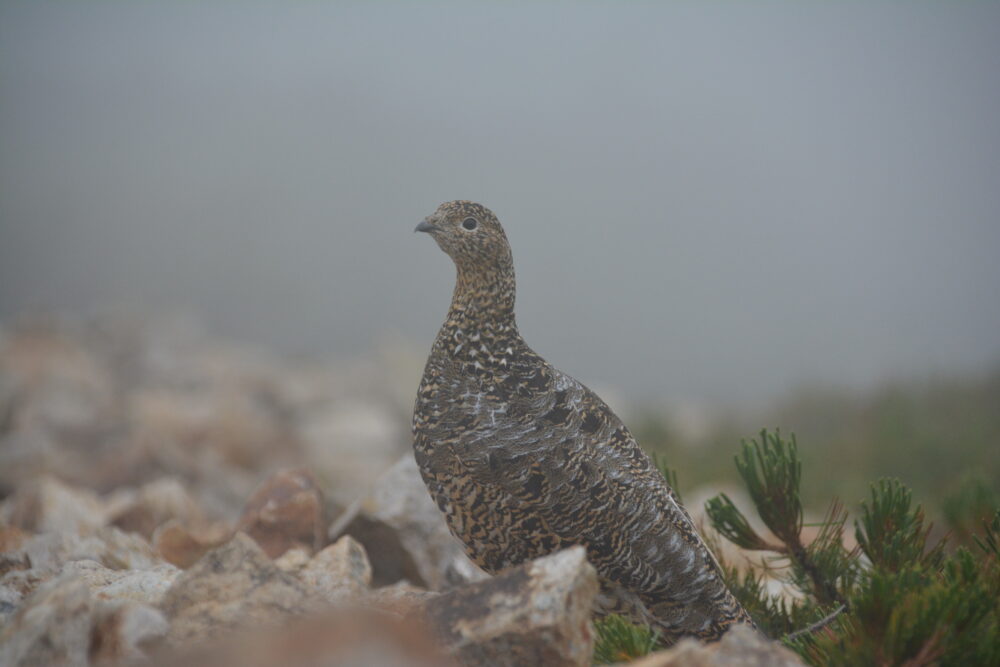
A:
(523, 460)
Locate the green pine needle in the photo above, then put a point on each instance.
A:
(618, 640)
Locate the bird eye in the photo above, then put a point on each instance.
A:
(469, 223)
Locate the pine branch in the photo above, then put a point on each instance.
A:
(818, 625)
(772, 472)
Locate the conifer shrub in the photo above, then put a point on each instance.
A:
(899, 597)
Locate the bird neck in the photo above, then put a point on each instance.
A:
(483, 298)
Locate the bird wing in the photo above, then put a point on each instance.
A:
(568, 457)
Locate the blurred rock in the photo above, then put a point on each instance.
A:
(405, 534)
(154, 504)
(345, 638)
(285, 511)
(113, 563)
(145, 586)
(233, 586)
(46, 505)
(401, 598)
(15, 586)
(110, 547)
(61, 623)
(740, 647)
(536, 614)
(339, 572)
(121, 632)
(52, 627)
(117, 402)
(293, 560)
(179, 546)
(351, 442)
(11, 539)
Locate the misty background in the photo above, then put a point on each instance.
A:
(706, 203)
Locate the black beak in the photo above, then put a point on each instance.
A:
(425, 227)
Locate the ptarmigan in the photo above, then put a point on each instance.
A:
(524, 460)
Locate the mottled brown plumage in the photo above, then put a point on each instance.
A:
(524, 460)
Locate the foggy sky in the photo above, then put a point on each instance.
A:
(705, 202)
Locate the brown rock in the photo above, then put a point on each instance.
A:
(740, 647)
(344, 638)
(233, 586)
(12, 556)
(285, 511)
(536, 614)
(177, 545)
(11, 539)
(153, 505)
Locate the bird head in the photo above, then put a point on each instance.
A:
(471, 235)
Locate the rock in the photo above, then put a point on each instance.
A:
(52, 627)
(740, 647)
(343, 638)
(62, 624)
(108, 546)
(121, 631)
(401, 598)
(293, 560)
(113, 564)
(14, 587)
(153, 505)
(285, 511)
(11, 539)
(179, 546)
(339, 572)
(351, 441)
(145, 586)
(536, 614)
(46, 505)
(405, 534)
(233, 586)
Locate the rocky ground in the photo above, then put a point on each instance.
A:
(172, 499)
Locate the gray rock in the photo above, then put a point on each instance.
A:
(740, 647)
(144, 586)
(110, 547)
(52, 626)
(121, 631)
(47, 505)
(536, 614)
(233, 586)
(404, 533)
(113, 564)
(350, 441)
